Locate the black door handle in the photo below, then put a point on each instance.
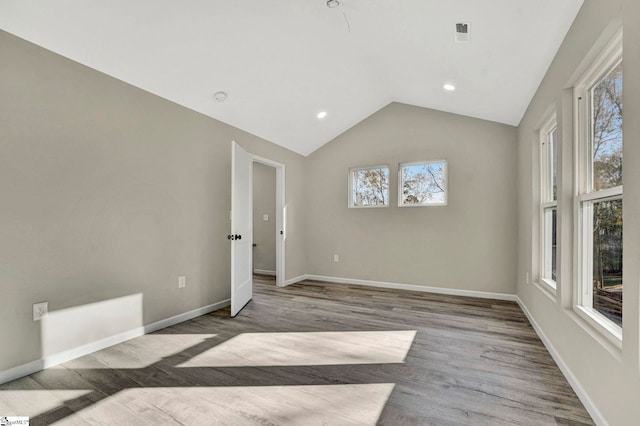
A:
(238, 237)
(233, 237)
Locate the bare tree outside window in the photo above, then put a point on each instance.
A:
(423, 184)
(606, 110)
(607, 259)
(606, 113)
(369, 187)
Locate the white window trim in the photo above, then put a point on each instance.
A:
(546, 201)
(446, 183)
(583, 294)
(350, 178)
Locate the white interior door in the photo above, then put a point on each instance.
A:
(241, 228)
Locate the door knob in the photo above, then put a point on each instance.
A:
(238, 237)
(231, 237)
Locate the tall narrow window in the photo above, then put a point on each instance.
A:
(548, 201)
(599, 198)
(369, 186)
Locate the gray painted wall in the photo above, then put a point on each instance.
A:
(264, 202)
(609, 377)
(468, 244)
(108, 191)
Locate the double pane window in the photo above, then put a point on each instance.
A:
(600, 192)
(549, 202)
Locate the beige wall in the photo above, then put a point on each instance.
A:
(610, 378)
(108, 193)
(468, 244)
(264, 232)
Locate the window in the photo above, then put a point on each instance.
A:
(599, 195)
(369, 186)
(548, 201)
(422, 184)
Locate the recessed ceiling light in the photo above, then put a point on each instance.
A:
(220, 96)
(322, 114)
(333, 3)
(449, 87)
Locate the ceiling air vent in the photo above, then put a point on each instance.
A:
(463, 32)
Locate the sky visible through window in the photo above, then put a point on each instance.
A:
(423, 184)
(370, 187)
(606, 118)
(606, 140)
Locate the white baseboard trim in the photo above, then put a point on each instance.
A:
(414, 287)
(595, 414)
(264, 272)
(65, 356)
(21, 371)
(295, 280)
(83, 350)
(167, 322)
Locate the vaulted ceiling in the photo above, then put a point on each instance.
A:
(281, 62)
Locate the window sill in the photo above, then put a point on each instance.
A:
(369, 207)
(423, 205)
(546, 288)
(603, 326)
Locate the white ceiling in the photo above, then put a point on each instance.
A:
(283, 61)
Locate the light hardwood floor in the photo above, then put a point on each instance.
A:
(316, 353)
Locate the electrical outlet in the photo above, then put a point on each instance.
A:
(182, 281)
(336, 258)
(526, 277)
(40, 310)
(265, 217)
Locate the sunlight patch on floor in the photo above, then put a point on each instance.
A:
(359, 404)
(313, 348)
(144, 351)
(34, 402)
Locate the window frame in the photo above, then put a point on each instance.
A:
(350, 200)
(446, 183)
(547, 201)
(585, 196)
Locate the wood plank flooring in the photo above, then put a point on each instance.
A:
(316, 353)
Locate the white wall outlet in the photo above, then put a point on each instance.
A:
(182, 281)
(40, 310)
(336, 258)
(265, 217)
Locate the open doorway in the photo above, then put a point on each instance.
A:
(269, 219)
(264, 221)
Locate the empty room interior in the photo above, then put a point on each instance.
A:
(320, 212)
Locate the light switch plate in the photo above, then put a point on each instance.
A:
(265, 217)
